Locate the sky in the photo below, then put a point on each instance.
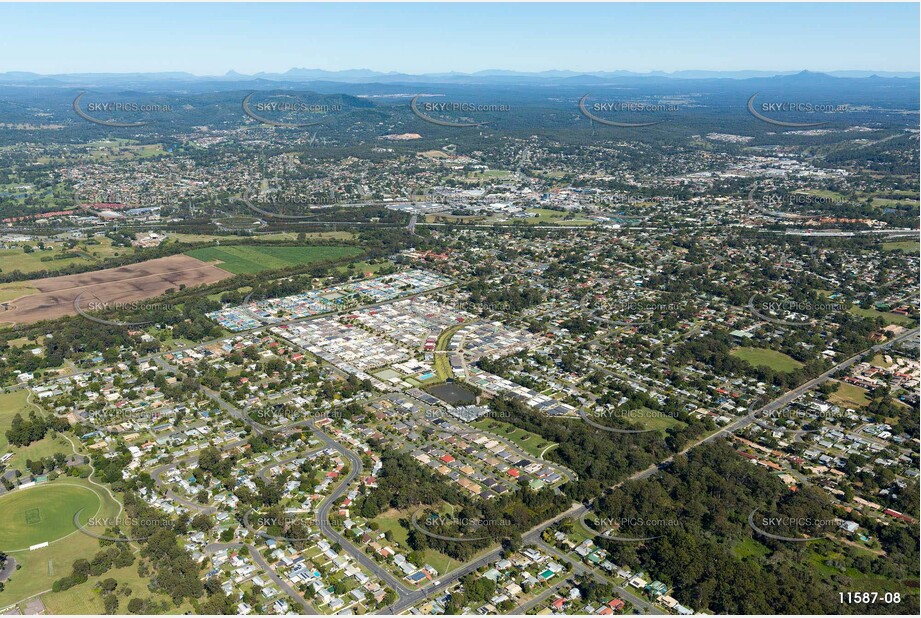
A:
(211, 39)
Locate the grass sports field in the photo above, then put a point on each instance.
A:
(40, 568)
(778, 361)
(245, 259)
(43, 513)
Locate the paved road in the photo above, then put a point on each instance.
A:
(157, 474)
(773, 406)
(448, 579)
(262, 564)
(581, 568)
(579, 510)
(264, 472)
(524, 608)
(159, 355)
(355, 468)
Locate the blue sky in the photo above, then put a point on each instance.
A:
(210, 39)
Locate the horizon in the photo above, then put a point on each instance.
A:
(495, 71)
(214, 39)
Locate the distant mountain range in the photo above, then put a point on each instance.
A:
(365, 76)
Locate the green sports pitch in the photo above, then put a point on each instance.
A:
(44, 513)
(246, 259)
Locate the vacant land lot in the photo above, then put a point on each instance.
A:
(244, 259)
(389, 521)
(889, 317)
(849, 396)
(56, 295)
(905, 246)
(651, 419)
(778, 361)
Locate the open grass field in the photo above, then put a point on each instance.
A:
(17, 259)
(778, 361)
(244, 259)
(530, 443)
(10, 405)
(849, 396)
(650, 419)
(272, 237)
(880, 361)
(12, 291)
(46, 447)
(825, 193)
(43, 513)
(83, 599)
(750, 548)
(389, 521)
(885, 202)
(544, 215)
(40, 568)
(890, 318)
(905, 246)
(90, 251)
(490, 175)
(364, 267)
(123, 150)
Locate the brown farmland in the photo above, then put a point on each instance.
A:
(55, 296)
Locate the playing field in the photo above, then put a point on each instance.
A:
(41, 567)
(44, 513)
(778, 361)
(890, 318)
(245, 259)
